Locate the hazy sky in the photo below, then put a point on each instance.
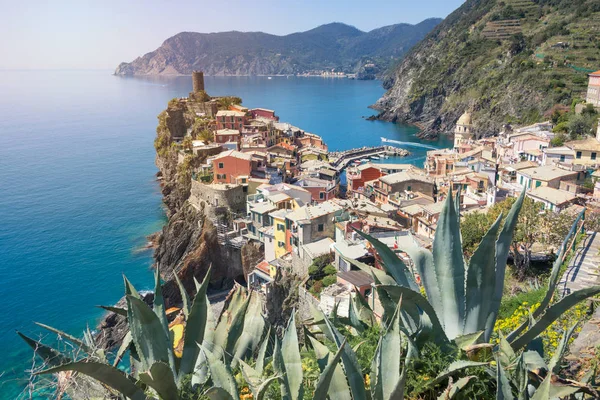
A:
(100, 34)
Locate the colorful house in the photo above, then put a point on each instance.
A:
(232, 167)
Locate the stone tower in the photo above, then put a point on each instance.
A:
(198, 81)
(462, 132)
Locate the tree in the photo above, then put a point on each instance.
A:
(558, 140)
(472, 228)
(526, 234)
(206, 136)
(580, 125)
(187, 143)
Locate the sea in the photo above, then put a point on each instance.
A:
(78, 192)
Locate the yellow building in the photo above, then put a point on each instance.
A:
(279, 232)
(463, 131)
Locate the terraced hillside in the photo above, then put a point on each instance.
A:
(505, 61)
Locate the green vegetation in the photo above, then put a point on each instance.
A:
(461, 66)
(427, 347)
(321, 274)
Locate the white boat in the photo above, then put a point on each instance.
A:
(375, 157)
(364, 161)
(269, 77)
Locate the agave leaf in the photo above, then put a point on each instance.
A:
(392, 263)
(161, 314)
(464, 341)
(532, 360)
(262, 389)
(506, 355)
(70, 338)
(502, 249)
(185, 299)
(552, 314)
(543, 391)
(147, 332)
(254, 327)
(225, 320)
(117, 310)
(217, 393)
(338, 387)
(423, 260)
(127, 340)
(195, 329)
(291, 357)
(481, 281)
(220, 374)
(353, 317)
(450, 270)
(327, 376)
(349, 359)
(161, 379)
(262, 352)
(365, 313)
(279, 368)
(454, 388)
(251, 376)
(558, 391)
(235, 331)
(410, 297)
(104, 373)
(130, 289)
(503, 388)
(455, 367)
(388, 370)
(554, 365)
(50, 355)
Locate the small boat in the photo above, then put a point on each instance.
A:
(269, 77)
(375, 157)
(364, 161)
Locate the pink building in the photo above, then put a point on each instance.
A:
(264, 113)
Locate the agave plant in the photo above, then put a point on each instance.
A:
(463, 299)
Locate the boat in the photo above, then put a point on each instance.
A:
(375, 157)
(269, 77)
(364, 161)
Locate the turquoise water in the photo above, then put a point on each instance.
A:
(77, 188)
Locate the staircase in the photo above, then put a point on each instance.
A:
(583, 270)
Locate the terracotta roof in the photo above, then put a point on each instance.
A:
(234, 153)
(589, 143)
(597, 73)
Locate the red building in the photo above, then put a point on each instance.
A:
(264, 113)
(359, 175)
(230, 119)
(227, 136)
(232, 167)
(320, 190)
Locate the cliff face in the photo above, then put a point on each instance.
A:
(467, 64)
(329, 46)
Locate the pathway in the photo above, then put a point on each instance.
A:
(583, 269)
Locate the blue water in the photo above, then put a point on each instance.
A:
(77, 188)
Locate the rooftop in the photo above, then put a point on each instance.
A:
(590, 144)
(263, 208)
(228, 132)
(276, 198)
(234, 153)
(319, 248)
(546, 173)
(230, 113)
(559, 150)
(551, 195)
(356, 278)
(403, 177)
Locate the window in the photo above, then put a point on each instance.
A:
(320, 227)
(221, 176)
(221, 165)
(578, 154)
(321, 195)
(281, 227)
(409, 188)
(562, 158)
(538, 183)
(593, 156)
(259, 218)
(280, 244)
(244, 180)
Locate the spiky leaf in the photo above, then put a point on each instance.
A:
(195, 329)
(117, 310)
(50, 355)
(338, 387)
(127, 341)
(104, 373)
(185, 298)
(254, 326)
(388, 360)
(327, 375)
(552, 314)
(147, 332)
(290, 353)
(160, 378)
(503, 388)
(70, 338)
(220, 374)
(449, 267)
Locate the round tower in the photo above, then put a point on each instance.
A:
(198, 81)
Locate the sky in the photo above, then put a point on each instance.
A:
(99, 34)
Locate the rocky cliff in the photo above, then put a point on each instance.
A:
(504, 61)
(333, 46)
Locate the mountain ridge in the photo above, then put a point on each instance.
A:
(330, 46)
(506, 62)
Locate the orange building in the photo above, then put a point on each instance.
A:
(358, 176)
(232, 167)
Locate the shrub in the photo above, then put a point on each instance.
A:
(330, 270)
(329, 280)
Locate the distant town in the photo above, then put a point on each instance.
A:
(268, 182)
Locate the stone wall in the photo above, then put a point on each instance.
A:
(215, 197)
